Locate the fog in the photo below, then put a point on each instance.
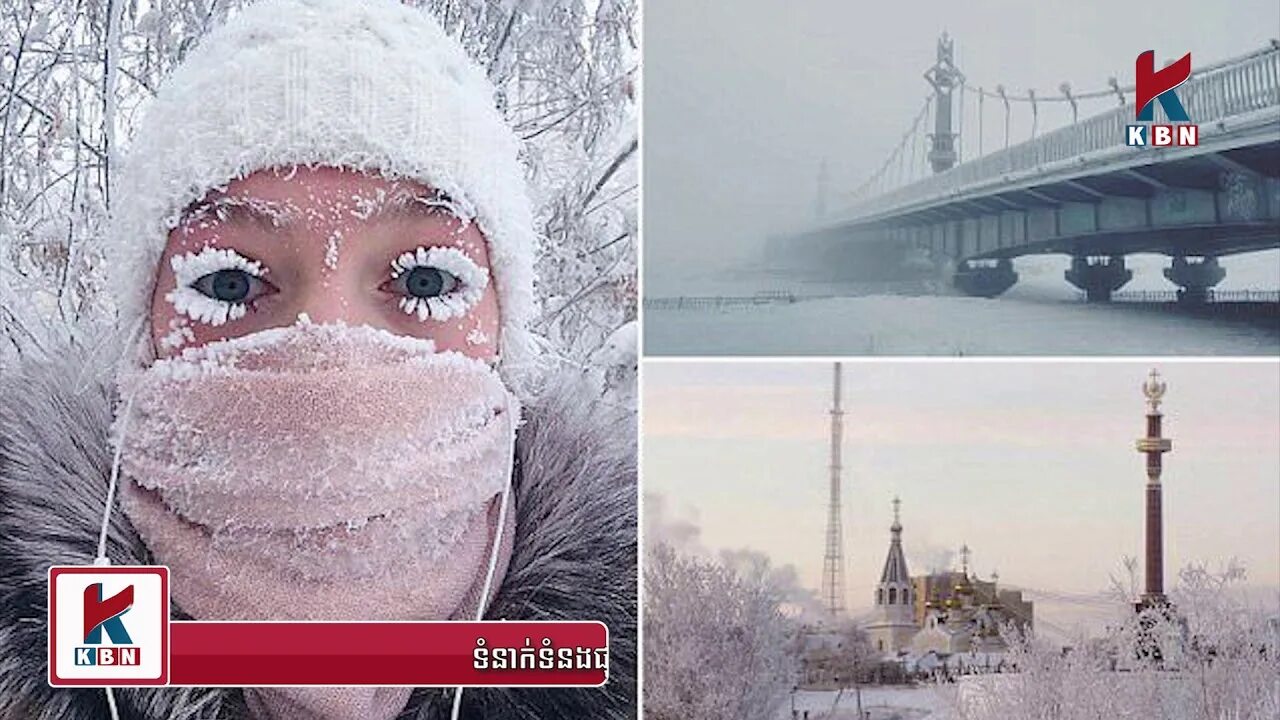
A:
(745, 99)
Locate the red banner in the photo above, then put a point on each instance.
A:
(489, 653)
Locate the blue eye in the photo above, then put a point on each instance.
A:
(230, 285)
(425, 282)
(437, 282)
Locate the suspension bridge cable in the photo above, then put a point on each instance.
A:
(980, 115)
(879, 175)
(883, 177)
(1035, 113)
(902, 158)
(1005, 98)
(1113, 87)
(915, 144)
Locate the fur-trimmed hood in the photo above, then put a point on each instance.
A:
(574, 556)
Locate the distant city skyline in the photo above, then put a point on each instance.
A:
(1031, 464)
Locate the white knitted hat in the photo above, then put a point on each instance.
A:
(368, 85)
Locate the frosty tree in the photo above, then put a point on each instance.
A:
(717, 644)
(74, 75)
(1218, 659)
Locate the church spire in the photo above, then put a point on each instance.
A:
(893, 623)
(895, 565)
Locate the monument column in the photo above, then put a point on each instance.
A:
(1154, 446)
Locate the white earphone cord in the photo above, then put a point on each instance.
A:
(101, 558)
(503, 505)
(497, 546)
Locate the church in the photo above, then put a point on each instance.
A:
(943, 612)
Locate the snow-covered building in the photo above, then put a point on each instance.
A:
(892, 625)
(944, 612)
(971, 610)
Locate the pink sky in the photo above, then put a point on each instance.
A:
(1029, 462)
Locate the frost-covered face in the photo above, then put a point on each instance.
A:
(331, 244)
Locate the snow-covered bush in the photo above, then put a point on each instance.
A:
(717, 644)
(1209, 657)
(74, 76)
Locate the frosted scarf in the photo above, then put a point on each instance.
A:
(320, 473)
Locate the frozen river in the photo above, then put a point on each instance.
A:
(1039, 316)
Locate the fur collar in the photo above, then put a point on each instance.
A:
(574, 554)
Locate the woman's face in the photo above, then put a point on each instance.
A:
(334, 245)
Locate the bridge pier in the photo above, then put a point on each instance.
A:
(1098, 277)
(985, 280)
(1194, 279)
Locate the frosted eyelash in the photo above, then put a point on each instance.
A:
(472, 281)
(196, 305)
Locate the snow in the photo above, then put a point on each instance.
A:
(332, 250)
(180, 333)
(716, 645)
(884, 702)
(63, 269)
(890, 325)
(1040, 315)
(614, 366)
(330, 101)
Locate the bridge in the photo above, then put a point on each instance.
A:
(1079, 190)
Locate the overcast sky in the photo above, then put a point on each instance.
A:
(743, 99)
(1030, 463)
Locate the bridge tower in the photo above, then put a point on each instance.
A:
(833, 559)
(1154, 446)
(945, 78)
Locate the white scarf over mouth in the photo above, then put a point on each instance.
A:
(321, 473)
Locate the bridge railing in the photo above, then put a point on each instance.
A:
(1238, 87)
(721, 302)
(1171, 296)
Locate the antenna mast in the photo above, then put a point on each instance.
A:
(833, 560)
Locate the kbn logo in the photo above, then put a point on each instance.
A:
(108, 626)
(104, 615)
(1154, 86)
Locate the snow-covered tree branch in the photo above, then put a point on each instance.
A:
(1211, 656)
(717, 644)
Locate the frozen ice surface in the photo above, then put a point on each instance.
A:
(1038, 316)
(897, 325)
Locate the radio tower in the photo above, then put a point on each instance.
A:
(833, 560)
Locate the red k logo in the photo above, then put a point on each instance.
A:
(1152, 85)
(100, 614)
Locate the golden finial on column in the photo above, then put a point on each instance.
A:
(1154, 389)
